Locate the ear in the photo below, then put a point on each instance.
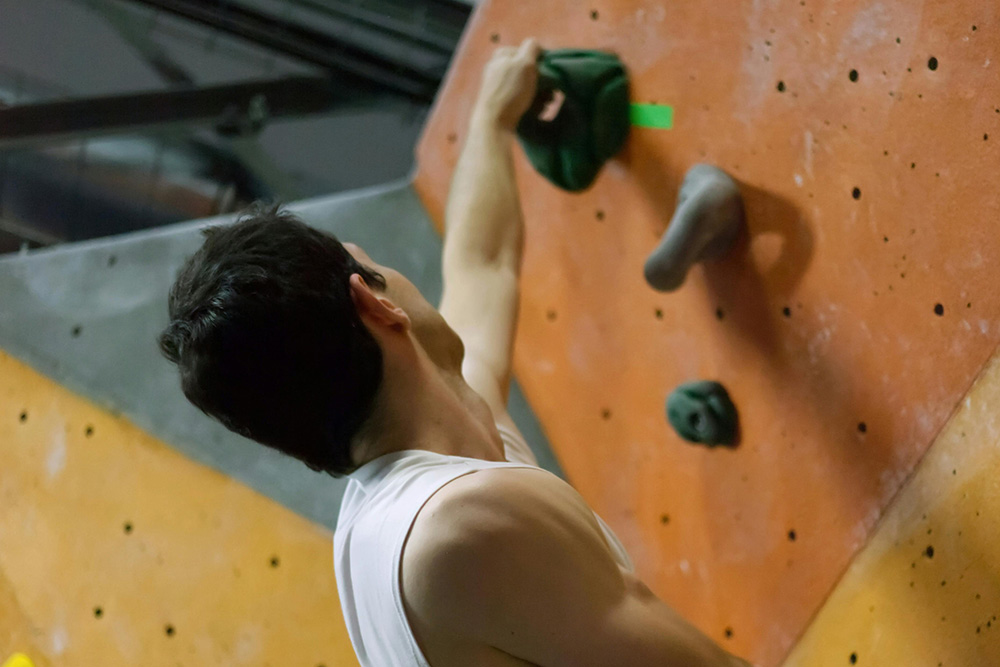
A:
(376, 309)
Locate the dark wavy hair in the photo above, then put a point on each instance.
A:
(268, 341)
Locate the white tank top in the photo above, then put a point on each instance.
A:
(380, 504)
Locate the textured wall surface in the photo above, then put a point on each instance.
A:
(19, 636)
(116, 550)
(848, 324)
(926, 589)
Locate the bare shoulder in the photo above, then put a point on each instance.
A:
(496, 503)
(484, 505)
(513, 560)
(489, 538)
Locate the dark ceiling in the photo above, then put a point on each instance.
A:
(126, 114)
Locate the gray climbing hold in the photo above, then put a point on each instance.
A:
(702, 412)
(706, 224)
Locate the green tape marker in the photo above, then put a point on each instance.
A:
(659, 116)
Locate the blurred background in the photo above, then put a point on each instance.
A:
(117, 115)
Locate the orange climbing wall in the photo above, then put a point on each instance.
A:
(871, 208)
(115, 550)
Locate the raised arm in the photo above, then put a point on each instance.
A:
(484, 229)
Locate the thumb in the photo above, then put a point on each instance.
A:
(529, 49)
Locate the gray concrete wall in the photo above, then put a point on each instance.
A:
(88, 315)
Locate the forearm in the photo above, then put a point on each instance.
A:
(483, 221)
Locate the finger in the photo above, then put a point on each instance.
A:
(504, 52)
(529, 49)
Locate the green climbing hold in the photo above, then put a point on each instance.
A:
(591, 124)
(702, 412)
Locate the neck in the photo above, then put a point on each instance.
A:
(422, 406)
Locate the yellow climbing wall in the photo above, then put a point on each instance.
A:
(115, 550)
(926, 588)
(15, 630)
(19, 660)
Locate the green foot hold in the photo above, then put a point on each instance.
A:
(702, 412)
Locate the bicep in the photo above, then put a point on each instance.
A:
(528, 571)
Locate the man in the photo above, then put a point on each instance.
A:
(452, 547)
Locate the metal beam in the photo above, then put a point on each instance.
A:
(447, 11)
(396, 28)
(235, 108)
(125, 24)
(306, 44)
(27, 234)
